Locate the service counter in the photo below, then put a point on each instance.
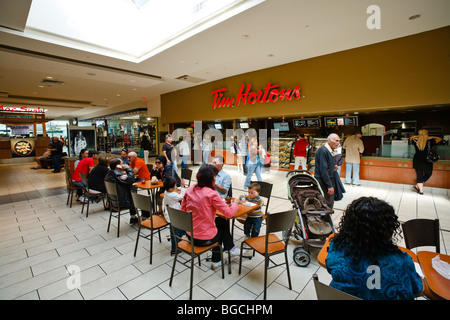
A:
(384, 169)
(400, 170)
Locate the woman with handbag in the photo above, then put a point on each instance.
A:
(423, 143)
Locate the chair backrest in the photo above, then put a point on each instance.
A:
(325, 292)
(143, 202)
(186, 174)
(421, 232)
(69, 182)
(266, 191)
(111, 193)
(280, 221)
(181, 219)
(84, 180)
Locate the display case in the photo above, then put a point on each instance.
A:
(281, 152)
(315, 143)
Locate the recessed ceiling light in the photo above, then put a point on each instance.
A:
(270, 55)
(416, 16)
(245, 36)
(90, 74)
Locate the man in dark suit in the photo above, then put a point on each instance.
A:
(325, 167)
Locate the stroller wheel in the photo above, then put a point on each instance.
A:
(302, 257)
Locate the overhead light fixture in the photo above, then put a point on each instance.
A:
(245, 36)
(414, 17)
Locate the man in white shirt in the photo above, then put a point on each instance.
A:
(354, 147)
(184, 150)
(223, 179)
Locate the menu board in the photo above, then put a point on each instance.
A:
(341, 121)
(306, 122)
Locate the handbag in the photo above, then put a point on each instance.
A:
(432, 156)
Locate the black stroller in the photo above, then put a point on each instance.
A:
(313, 223)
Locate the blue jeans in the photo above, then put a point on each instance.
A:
(348, 174)
(252, 168)
(252, 226)
(184, 160)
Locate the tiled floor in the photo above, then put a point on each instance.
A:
(42, 239)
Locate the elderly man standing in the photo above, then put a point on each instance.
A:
(223, 179)
(139, 167)
(325, 167)
(353, 146)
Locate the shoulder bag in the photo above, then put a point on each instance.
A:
(432, 156)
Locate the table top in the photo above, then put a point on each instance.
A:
(437, 284)
(243, 209)
(147, 185)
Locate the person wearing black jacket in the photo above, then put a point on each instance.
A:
(325, 167)
(57, 151)
(124, 179)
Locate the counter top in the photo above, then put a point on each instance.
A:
(399, 159)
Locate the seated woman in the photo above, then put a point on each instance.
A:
(97, 175)
(204, 201)
(363, 258)
(96, 179)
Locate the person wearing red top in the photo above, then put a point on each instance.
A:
(84, 166)
(300, 152)
(204, 201)
(139, 167)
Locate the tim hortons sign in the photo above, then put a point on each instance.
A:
(271, 93)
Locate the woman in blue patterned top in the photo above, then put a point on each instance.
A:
(363, 258)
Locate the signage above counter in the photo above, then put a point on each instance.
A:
(271, 93)
(21, 109)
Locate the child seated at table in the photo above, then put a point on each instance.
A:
(252, 224)
(173, 199)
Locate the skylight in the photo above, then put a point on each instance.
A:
(128, 29)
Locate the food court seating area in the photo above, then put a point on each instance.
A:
(42, 239)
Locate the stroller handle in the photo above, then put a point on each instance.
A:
(295, 171)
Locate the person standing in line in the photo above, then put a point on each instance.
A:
(242, 153)
(424, 169)
(253, 163)
(206, 148)
(197, 148)
(169, 153)
(185, 152)
(300, 152)
(325, 167)
(354, 147)
(57, 150)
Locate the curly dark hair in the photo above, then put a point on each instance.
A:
(205, 176)
(369, 227)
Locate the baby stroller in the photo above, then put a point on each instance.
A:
(313, 223)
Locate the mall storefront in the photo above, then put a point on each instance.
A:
(388, 90)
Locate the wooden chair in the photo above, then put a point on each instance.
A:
(183, 220)
(87, 193)
(421, 232)
(114, 204)
(71, 187)
(153, 223)
(186, 174)
(269, 244)
(325, 292)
